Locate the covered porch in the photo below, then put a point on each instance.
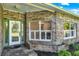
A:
(28, 24)
(23, 23)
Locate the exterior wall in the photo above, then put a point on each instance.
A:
(13, 15)
(57, 21)
(1, 46)
(36, 16)
(77, 40)
(60, 20)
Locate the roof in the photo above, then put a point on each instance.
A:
(68, 12)
(31, 7)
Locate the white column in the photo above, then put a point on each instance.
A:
(29, 32)
(40, 30)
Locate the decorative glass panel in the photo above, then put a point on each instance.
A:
(15, 28)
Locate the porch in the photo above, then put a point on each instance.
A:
(18, 51)
(27, 28)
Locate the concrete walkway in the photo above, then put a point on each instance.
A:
(20, 51)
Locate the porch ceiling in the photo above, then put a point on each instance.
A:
(22, 7)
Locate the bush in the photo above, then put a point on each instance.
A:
(76, 53)
(64, 53)
(75, 46)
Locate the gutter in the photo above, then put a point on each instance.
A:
(70, 13)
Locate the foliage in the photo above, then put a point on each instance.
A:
(64, 53)
(75, 46)
(76, 53)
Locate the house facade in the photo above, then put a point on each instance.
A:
(39, 26)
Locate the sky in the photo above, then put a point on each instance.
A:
(73, 7)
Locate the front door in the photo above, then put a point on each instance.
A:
(14, 32)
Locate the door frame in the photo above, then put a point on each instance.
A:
(10, 37)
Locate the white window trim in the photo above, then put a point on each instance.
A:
(39, 33)
(70, 37)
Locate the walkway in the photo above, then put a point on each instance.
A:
(20, 51)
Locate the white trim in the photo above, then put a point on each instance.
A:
(39, 40)
(70, 30)
(74, 36)
(39, 30)
(29, 31)
(10, 33)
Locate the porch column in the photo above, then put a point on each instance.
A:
(26, 32)
(1, 29)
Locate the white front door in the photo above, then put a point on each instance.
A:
(14, 32)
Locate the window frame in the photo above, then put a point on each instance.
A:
(40, 31)
(70, 31)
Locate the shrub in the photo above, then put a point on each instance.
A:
(76, 53)
(64, 53)
(75, 46)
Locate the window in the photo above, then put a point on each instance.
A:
(34, 26)
(69, 30)
(40, 30)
